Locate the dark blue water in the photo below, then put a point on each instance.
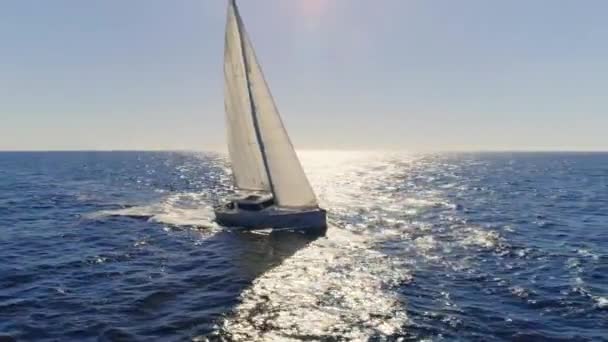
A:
(121, 246)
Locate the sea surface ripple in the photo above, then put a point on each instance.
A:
(121, 246)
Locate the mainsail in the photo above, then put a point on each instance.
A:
(247, 167)
(261, 152)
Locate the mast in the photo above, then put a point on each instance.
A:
(254, 117)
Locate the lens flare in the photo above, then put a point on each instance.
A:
(313, 11)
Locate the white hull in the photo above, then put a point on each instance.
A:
(313, 220)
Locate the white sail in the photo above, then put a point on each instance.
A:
(247, 166)
(284, 172)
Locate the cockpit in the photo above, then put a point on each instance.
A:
(252, 203)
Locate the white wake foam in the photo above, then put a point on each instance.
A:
(184, 209)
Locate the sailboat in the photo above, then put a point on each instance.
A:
(273, 189)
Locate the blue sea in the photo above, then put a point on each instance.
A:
(121, 246)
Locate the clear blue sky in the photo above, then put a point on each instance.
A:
(355, 74)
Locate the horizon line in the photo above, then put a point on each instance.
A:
(319, 150)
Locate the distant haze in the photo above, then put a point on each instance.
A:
(347, 74)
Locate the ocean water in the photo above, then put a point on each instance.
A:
(121, 246)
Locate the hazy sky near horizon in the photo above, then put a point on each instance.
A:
(352, 74)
